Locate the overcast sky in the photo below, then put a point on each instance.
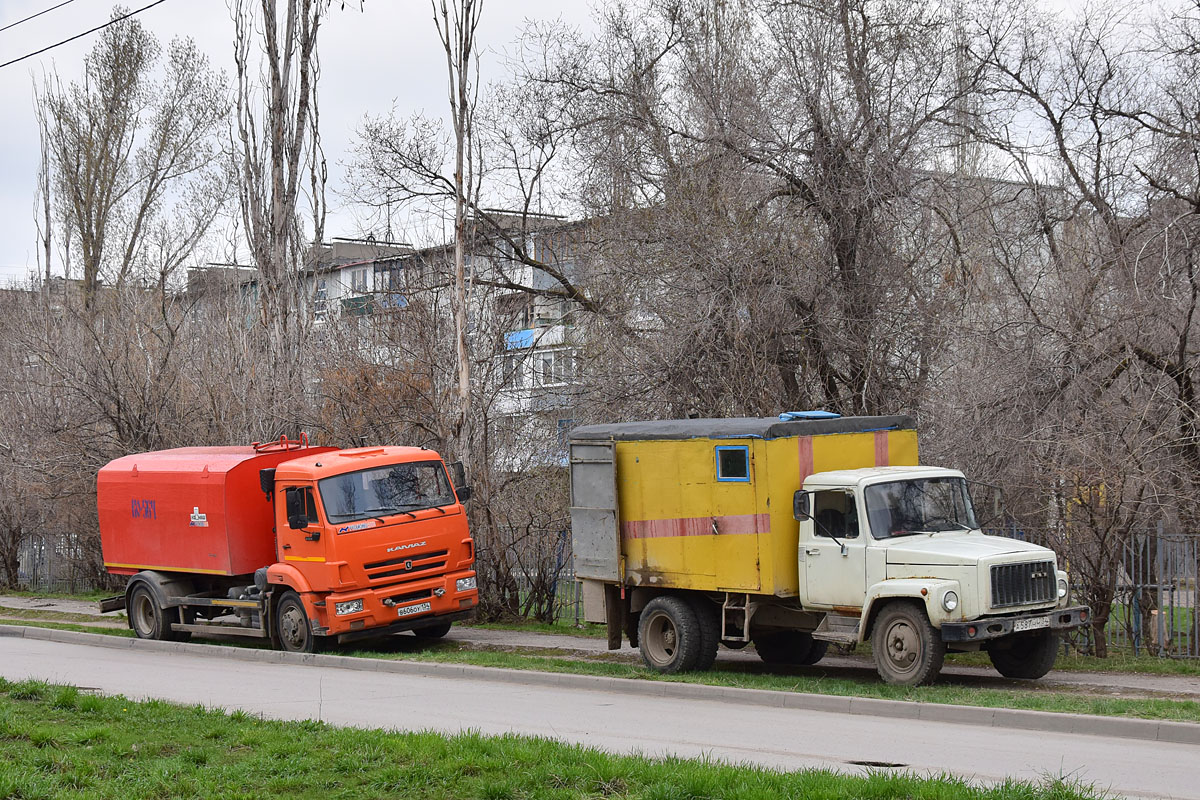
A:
(383, 56)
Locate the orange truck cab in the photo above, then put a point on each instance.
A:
(288, 542)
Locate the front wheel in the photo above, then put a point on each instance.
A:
(908, 650)
(292, 630)
(670, 635)
(1030, 656)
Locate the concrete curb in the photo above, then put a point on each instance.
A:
(1119, 727)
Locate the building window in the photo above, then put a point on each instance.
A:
(555, 367)
(733, 464)
(514, 370)
(358, 280)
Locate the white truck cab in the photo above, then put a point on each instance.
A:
(903, 542)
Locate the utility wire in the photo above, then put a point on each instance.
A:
(33, 16)
(81, 35)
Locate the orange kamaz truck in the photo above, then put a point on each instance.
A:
(287, 542)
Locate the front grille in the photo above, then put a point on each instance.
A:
(411, 566)
(414, 557)
(1023, 584)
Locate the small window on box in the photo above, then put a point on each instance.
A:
(733, 464)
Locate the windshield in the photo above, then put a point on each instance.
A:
(394, 489)
(926, 505)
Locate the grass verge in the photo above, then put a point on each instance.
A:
(60, 743)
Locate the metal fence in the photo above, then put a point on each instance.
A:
(1153, 610)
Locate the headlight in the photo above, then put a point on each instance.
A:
(465, 584)
(348, 607)
(950, 601)
(1062, 588)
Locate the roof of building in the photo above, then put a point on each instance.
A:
(739, 427)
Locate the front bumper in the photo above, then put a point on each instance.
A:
(382, 606)
(987, 628)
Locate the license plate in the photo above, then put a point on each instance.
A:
(1031, 624)
(420, 608)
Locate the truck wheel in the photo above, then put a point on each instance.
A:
(148, 619)
(708, 617)
(670, 635)
(433, 631)
(291, 625)
(908, 650)
(790, 647)
(1028, 656)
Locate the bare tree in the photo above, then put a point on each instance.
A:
(278, 148)
(130, 155)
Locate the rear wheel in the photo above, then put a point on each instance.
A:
(1030, 656)
(908, 650)
(433, 631)
(292, 629)
(148, 619)
(790, 647)
(670, 635)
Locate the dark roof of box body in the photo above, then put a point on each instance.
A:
(738, 428)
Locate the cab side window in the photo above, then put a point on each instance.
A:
(310, 505)
(835, 514)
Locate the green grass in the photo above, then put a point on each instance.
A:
(55, 616)
(67, 626)
(97, 595)
(588, 629)
(60, 743)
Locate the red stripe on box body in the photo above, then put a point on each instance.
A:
(729, 525)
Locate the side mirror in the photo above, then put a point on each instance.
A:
(464, 493)
(266, 480)
(458, 475)
(800, 505)
(297, 514)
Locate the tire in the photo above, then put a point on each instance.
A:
(292, 629)
(669, 635)
(148, 619)
(1028, 657)
(790, 647)
(708, 617)
(433, 631)
(908, 650)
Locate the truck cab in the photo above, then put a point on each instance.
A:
(372, 537)
(907, 538)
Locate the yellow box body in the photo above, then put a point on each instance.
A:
(682, 528)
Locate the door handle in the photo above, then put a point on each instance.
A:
(812, 551)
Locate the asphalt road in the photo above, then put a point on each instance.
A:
(784, 738)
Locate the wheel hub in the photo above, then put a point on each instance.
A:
(903, 646)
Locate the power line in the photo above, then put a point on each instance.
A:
(81, 35)
(33, 16)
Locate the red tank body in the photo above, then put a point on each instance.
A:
(191, 509)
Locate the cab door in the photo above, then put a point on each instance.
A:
(833, 557)
(304, 545)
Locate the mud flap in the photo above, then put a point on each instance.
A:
(614, 607)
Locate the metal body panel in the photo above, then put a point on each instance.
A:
(191, 509)
(594, 534)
